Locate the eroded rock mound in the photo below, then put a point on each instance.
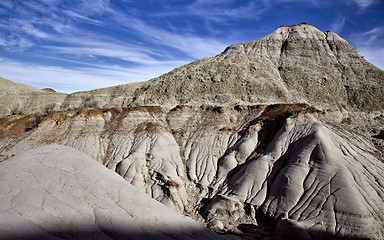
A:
(57, 192)
(275, 164)
(310, 178)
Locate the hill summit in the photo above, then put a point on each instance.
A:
(293, 64)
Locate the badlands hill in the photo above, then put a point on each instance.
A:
(279, 138)
(293, 64)
(57, 192)
(16, 98)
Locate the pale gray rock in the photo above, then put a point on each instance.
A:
(57, 192)
(17, 98)
(312, 180)
(282, 162)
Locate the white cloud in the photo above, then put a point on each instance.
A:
(89, 7)
(6, 3)
(17, 25)
(373, 55)
(364, 3)
(192, 45)
(16, 43)
(370, 45)
(374, 34)
(77, 79)
(118, 50)
(76, 15)
(31, 30)
(222, 11)
(112, 51)
(338, 26)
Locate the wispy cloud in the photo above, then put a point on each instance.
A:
(77, 79)
(31, 30)
(194, 46)
(91, 7)
(6, 3)
(375, 34)
(128, 53)
(365, 3)
(370, 45)
(14, 43)
(338, 26)
(374, 56)
(76, 15)
(224, 11)
(2, 42)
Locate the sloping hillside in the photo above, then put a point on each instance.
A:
(57, 192)
(230, 166)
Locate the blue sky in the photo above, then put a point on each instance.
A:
(73, 45)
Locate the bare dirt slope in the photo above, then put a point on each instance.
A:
(17, 98)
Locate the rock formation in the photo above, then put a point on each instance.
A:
(17, 98)
(57, 192)
(282, 133)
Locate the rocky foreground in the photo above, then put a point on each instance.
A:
(57, 192)
(277, 138)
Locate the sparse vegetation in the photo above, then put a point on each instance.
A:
(17, 110)
(38, 116)
(89, 102)
(35, 120)
(49, 108)
(64, 106)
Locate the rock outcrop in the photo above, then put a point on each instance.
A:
(243, 165)
(20, 99)
(292, 64)
(57, 192)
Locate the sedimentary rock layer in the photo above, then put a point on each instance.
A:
(245, 164)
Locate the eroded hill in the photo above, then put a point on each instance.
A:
(230, 166)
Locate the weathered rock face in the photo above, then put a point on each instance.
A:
(57, 192)
(17, 98)
(233, 166)
(307, 177)
(292, 64)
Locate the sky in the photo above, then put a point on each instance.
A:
(76, 45)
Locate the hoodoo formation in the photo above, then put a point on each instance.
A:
(279, 137)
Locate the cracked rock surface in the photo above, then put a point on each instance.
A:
(281, 165)
(57, 192)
